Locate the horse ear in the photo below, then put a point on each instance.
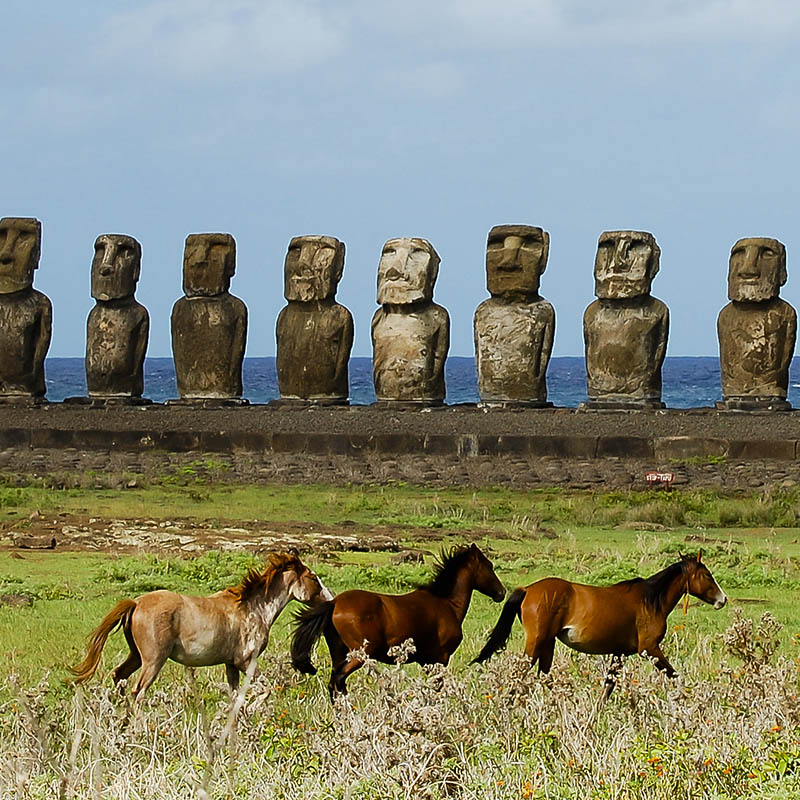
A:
(474, 547)
(293, 551)
(699, 556)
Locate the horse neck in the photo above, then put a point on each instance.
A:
(670, 587)
(461, 593)
(268, 606)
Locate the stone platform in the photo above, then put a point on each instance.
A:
(447, 446)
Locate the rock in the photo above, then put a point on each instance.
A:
(410, 333)
(625, 330)
(514, 329)
(757, 329)
(314, 333)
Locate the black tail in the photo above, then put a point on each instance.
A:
(311, 623)
(500, 633)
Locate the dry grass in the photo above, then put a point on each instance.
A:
(727, 728)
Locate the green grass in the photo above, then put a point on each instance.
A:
(499, 730)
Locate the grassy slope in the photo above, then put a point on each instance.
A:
(532, 534)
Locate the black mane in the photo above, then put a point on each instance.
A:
(656, 585)
(448, 565)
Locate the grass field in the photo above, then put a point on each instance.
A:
(727, 727)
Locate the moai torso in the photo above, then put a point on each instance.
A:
(118, 326)
(625, 330)
(26, 315)
(514, 329)
(757, 329)
(209, 325)
(410, 333)
(314, 333)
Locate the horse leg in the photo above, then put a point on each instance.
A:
(339, 675)
(150, 670)
(132, 662)
(654, 651)
(611, 677)
(546, 650)
(232, 674)
(537, 647)
(127, 667)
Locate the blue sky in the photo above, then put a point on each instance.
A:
(369, 120)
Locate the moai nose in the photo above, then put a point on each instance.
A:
(750, 261)
(619, 260)
(7, 251)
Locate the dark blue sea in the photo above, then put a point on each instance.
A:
(688, 382)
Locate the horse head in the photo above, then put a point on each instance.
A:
(305, 585)
(483, 575)
(700, 582)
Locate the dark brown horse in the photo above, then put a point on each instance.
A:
(431, 616)
(620, 620)
(230, 627)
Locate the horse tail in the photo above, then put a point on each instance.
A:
(500, 633)
(119, 615)
(311, 623)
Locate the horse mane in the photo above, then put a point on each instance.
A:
(656, 585)
(447, 566)
(258, 581)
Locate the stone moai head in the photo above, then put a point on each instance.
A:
(516, 257)
(757, 270)
(407, 271)
(115, 267)
(625, 264)
(209, 261)
(20, 246)
(313, 268)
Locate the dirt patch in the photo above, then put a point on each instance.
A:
(75, 533)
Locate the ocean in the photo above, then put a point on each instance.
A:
(688, 382)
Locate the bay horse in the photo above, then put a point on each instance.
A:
(619, 620)
(431, 616)
(230, 627)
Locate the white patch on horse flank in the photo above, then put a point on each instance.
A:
(570, 635)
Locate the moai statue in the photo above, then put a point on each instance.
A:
(514, 328)
(757, 329)
(314, 333)
(118, 326)
(26, 316)
(209, 324)
(625, 330)
(410, 333)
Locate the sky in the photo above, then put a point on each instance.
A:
(367, 120)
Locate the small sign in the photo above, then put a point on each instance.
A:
(659, 478)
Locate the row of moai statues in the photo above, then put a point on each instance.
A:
(625, 328)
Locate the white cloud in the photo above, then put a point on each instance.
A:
(207, 39)
(565, 22)
(462, 24)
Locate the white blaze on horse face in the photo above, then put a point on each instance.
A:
(324, 592)
(720, 598)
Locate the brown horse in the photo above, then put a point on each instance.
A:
(620, 620)
(230, 627)
(431, 616)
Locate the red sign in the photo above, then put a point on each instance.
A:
(656, 478)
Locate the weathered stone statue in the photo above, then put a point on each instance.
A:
(314, 333)
(625, 330)
(514, 328)
(26, 316)
(410, 333)
(209, 325)
(757, 330)
(118, 326)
